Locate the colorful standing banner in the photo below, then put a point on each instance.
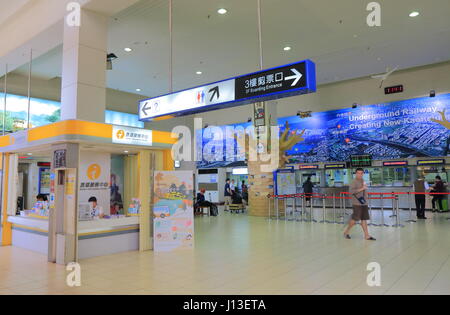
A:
(173, 211)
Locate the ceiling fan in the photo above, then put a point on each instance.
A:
(383, 77)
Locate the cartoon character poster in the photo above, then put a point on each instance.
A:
(173, 211)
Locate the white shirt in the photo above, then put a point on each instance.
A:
(97, 212)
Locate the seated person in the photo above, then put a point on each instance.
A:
(43, 200)
(201, 202)
(96, 210)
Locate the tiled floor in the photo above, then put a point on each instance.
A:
(236, 254)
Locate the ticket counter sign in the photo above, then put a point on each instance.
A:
(395, 163)
(288, 80)
(431, 162)
(335, 166)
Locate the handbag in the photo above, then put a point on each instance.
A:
(361, 199)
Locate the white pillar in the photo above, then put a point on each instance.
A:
(83, 90)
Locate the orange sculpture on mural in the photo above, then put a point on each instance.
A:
(444, 122)
(287, 141)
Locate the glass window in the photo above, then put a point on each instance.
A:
(397, 176)
(42, 112)
(338, 177)
(123, 119)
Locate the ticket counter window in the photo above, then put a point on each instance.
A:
(430, 175)
(397, 176)
(338, 177)
(302, 176)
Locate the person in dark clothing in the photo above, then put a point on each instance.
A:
(227, 195)
(437, 188)
(420, 186)
(244, 190)
(308, 189)
(202, 202)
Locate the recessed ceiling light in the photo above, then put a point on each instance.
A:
(128, 49)
(138, 90)
(29, 154)
(222, 11)
(287, 48)
(414, 14)
(199, 72)
(126, 151)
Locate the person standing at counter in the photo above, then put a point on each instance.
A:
(420, 187)
(96, 210)
(308, 189)
(358, 190)
(438, 187)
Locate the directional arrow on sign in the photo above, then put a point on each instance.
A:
(296, 77)
(145, 108)
(215, 92)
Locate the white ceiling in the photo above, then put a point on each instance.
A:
(9, 8)
(334, 34)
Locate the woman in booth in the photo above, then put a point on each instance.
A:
(96, 210)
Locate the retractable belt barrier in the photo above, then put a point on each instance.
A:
(299, 203)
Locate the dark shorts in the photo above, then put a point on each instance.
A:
(360, 213)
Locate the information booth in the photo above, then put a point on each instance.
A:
(76, 189)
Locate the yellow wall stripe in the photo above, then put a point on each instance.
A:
(24, 227)
(7, 226)
(163, 137)
(107, 231)
(5, 141)
(85, 128)
(70, 127)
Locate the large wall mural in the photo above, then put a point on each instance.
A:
(402, 129)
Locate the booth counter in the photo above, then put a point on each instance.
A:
(107, 236)
(30, 233)
(101, 169)
(96, 238)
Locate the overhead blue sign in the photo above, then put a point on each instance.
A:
(289, 80)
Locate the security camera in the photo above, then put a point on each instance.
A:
(432, 93)
(355, 105)
(249, 119)
(109, 60)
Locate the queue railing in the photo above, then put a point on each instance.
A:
(299, 201)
